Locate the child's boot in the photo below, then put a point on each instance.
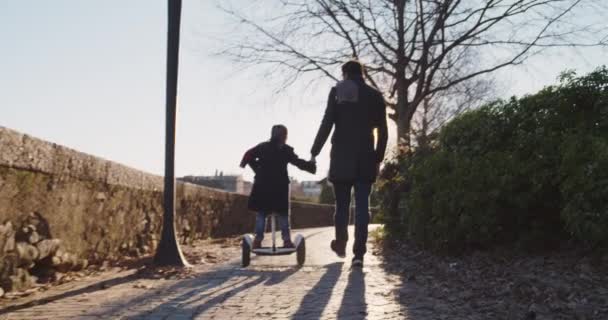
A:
(287, 244)
(257, 243)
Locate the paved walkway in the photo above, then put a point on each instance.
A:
(270, 288)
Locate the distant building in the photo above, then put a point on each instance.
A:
(295, 189)
(247, 186)
(231, 183)
(311, 189)
(236, 183)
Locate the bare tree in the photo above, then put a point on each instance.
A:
(438, 108)
(413, 49)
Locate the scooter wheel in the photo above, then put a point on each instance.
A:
(246, 251)
(301, 253)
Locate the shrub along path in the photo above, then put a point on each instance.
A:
(530, 170)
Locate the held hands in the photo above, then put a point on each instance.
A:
(312, 165)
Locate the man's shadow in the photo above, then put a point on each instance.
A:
(315, 301)
(353, 304)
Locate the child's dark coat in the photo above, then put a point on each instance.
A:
(269, 161)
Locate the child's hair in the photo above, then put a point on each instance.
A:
(278, 131)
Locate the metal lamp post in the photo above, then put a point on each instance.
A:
(168, 252)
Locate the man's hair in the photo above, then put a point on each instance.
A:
(353, 68)
(277, 131)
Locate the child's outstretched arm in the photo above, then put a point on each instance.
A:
(251, 158)
(309, 166)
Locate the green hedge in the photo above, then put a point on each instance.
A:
(531, 170)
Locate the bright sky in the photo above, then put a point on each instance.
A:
(90, 75)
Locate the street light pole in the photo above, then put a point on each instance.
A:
(168, 252)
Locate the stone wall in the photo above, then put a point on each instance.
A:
(88, 209)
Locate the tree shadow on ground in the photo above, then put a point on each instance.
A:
(97, 286)
(142, 267)
(314, 302)
(213, 279)
(217, 286)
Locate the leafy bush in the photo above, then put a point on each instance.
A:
(327, 194)
(531, 170)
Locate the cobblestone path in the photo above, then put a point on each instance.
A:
(270, 288)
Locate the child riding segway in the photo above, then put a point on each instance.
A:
(270, 194)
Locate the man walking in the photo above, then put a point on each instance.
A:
(357, 113)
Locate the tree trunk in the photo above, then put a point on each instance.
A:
(403, 119)
(422, 137)
(403, 131)
(403, 126)
(403, 143)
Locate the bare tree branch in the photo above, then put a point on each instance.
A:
(415, 51)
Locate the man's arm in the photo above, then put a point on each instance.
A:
(326, 124)
(382, 131)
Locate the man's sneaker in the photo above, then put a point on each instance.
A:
(288, 244)
(357, 262)
(257, 243)
(340, 250)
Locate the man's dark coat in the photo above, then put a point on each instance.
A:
(270, 192)
(354, 110)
